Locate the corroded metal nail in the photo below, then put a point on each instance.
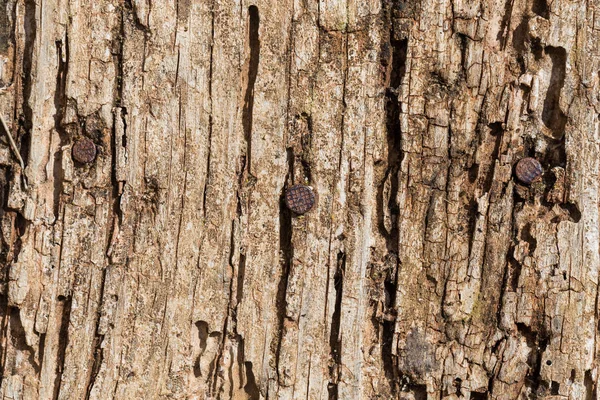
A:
(299, 198)
(84, 151)
(529, 170)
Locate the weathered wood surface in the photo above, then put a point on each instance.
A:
(170, 267)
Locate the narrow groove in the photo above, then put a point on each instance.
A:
(26, 121)
(286, 249)
(394, 58)
(254, 45)
(60, 104)
(210, 117)
(335, 340)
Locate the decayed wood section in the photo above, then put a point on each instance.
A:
(170, 266)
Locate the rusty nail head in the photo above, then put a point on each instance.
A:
(299, 198)
(84, 151)
(529, 170)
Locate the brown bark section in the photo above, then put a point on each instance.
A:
(171, 268)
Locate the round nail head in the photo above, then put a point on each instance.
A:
(84, 151)
(299, 198)
(529, 170)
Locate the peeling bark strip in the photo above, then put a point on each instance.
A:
(169, 266)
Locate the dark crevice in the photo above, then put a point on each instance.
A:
(515, 268)
(573, 211)
(251, 387)
(463, 42)
(590, 386)
(119, 117)
(306, 141)
(536, 48)
(26, 120)
(252, 68)
(496, 132)
(21, 227)
(471, 209)
(521, 38)
(458, 386)
(202, 327)
(42, 348)
(540, 7)
(552, 116)
(241, 271)
(134, 16)
(394, 142)
(335, 339)
(240, 278)
(526, 236)
(555, 153)
(491, 378)
(390, 363)
(286, 249)
(118, 56)
(394, 54)
(63, 340)
(210, 116)
(479, 396)
(60, 104)
(419, 392)
(537, 343)
(554, 387)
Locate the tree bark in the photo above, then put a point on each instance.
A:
(170, 267)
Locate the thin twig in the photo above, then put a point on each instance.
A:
(13, 146)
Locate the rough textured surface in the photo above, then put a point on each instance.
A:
(170, 267)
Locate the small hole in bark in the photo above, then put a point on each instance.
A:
(548, 362)
(573, 375)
